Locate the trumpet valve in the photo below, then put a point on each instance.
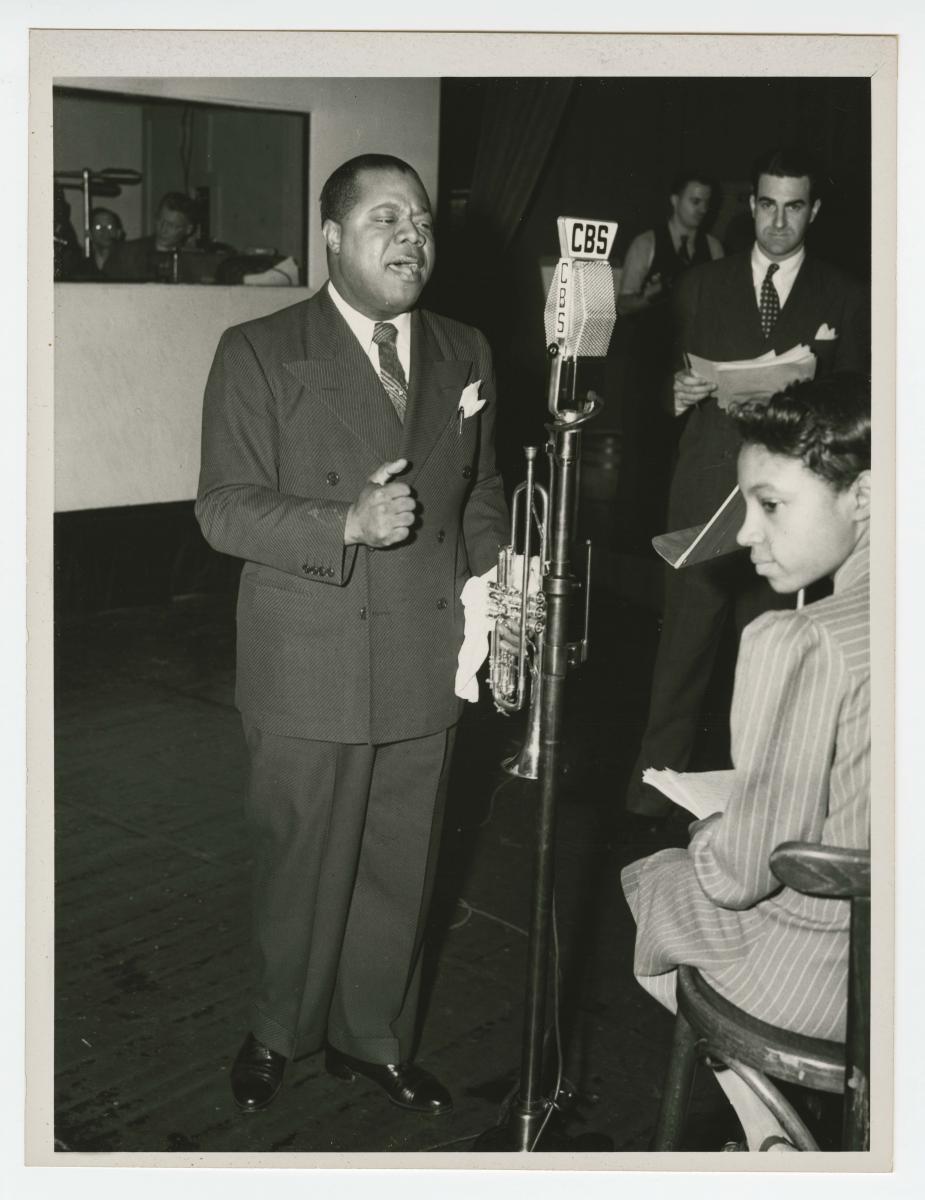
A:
(504, 604)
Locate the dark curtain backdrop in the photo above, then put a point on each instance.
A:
(499, 137)
(519, 124)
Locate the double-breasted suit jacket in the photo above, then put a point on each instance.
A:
(717, 318)
(347, 644)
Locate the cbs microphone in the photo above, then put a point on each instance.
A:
(580, 308)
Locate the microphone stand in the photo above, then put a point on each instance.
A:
(527, 1126)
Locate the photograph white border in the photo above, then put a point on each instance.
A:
(70, 53)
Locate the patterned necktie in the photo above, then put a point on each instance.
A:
(391, 371)
(769, 309)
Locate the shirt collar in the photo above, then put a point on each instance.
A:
(786, 270)
(363, 326)
(679, 234)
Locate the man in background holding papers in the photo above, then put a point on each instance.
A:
(772, 298)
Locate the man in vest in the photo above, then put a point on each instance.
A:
(656, 257)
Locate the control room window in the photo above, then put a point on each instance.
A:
(235, 181)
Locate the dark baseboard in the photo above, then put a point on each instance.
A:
(145, 554)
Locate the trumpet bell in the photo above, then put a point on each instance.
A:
(525, 764)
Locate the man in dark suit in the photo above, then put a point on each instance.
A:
(339, 461)
(771, 298)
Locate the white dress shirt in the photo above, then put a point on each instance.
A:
(363, 330)
(783, 278)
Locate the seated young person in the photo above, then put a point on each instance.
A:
(800, 728)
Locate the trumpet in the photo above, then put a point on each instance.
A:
(516, 602)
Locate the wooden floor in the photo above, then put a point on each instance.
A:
(152, 897)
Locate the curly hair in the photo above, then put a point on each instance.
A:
(823, 422)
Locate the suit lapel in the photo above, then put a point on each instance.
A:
(436, 386)
(338, 374)
(791, 325)
(743, 314)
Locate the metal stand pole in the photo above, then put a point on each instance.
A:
(530, 1108)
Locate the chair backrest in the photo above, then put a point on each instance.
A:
(841, 873)
(820, 870)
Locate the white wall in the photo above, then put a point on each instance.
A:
(348, 117)
(131, 362)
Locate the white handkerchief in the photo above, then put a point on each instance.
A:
(479, 625)
(825, 334)
(469, 402)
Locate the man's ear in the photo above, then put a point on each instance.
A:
(862, 496)
(330, 231)
(751, 205)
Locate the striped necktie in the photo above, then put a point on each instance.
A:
(391, 371)
(769, 308)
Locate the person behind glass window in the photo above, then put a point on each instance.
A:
(152, 258)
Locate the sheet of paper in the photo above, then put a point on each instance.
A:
(756, 378)
(700, 792)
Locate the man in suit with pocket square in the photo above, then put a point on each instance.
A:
(341, 463)
(773, 297)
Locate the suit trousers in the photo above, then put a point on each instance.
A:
(698, 602)
(345, 841)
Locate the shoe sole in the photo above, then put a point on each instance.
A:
(253, 1108)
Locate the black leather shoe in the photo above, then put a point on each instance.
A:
(256, 1075)
(406, 1084)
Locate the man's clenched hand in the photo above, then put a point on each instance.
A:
(383, 513)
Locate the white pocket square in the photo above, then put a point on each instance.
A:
(825, 333)
(470, 402)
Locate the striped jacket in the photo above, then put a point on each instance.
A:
(801, 748)
(336, 643)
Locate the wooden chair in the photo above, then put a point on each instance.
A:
(709, 1027)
